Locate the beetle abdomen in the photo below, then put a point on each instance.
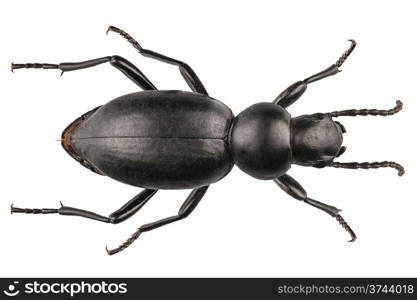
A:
(158, 139)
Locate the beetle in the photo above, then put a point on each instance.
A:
(169, 139)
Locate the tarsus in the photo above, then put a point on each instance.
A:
(345, 55)
(33, 210)
(126, 244)
(345, 225)
(127, 36)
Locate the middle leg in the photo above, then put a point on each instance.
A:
(188, 206)
(186, 71)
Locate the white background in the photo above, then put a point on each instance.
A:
(244, 52)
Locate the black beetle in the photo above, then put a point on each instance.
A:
(187, 140)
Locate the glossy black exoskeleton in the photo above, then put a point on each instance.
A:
(187, 140)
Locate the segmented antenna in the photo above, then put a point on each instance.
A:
(366, 112)
(367, 165)
(345, 225)
(345, 55)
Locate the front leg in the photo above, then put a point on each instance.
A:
(295, 190)
(294, 91)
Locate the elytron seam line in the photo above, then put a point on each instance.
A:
(263, 140)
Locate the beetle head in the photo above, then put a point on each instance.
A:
(316, 140)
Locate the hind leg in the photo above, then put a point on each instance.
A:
(120, 63)
(120, 215)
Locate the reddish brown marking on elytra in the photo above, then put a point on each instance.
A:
(66, 139)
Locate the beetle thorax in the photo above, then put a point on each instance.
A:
(260, 140)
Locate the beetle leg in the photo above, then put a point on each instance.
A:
(188, 206)
(120, 63)
(294, 91)
(295, 190)
(120, 215)
(131, 207)
(187, 72)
